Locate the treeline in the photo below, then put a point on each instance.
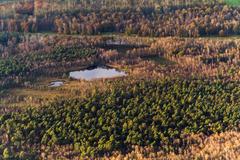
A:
(193, 57)
(196, 47)
(12, 44)
(22, 64)
(40, 7)
(11, 67)
(15, 70)
(152, 113)
(6, 38)
(203, 55)
(192, 21)
(186, 22)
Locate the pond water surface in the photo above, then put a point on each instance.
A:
(97, 73)
(56, 84)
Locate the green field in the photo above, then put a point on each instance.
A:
(233, 2)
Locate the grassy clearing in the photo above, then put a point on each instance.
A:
(22, 97)
(41, 94)
(233, 2)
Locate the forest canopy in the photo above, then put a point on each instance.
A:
(147, 113)
(179, 95)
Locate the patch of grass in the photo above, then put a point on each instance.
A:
(23, 97)
(233, 2)
(41, 94)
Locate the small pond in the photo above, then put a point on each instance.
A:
(56, 84)
(96, 73)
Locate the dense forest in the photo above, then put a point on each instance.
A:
(186, 21)
(178, 98)
(163, 112)
(148, 113)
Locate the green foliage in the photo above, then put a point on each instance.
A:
(233, 2)
(147, 113)
(18, 66)
(11, 66)
(6, 153)
(60, 54)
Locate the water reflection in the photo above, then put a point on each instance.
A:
(56, 84)
(96, 73)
